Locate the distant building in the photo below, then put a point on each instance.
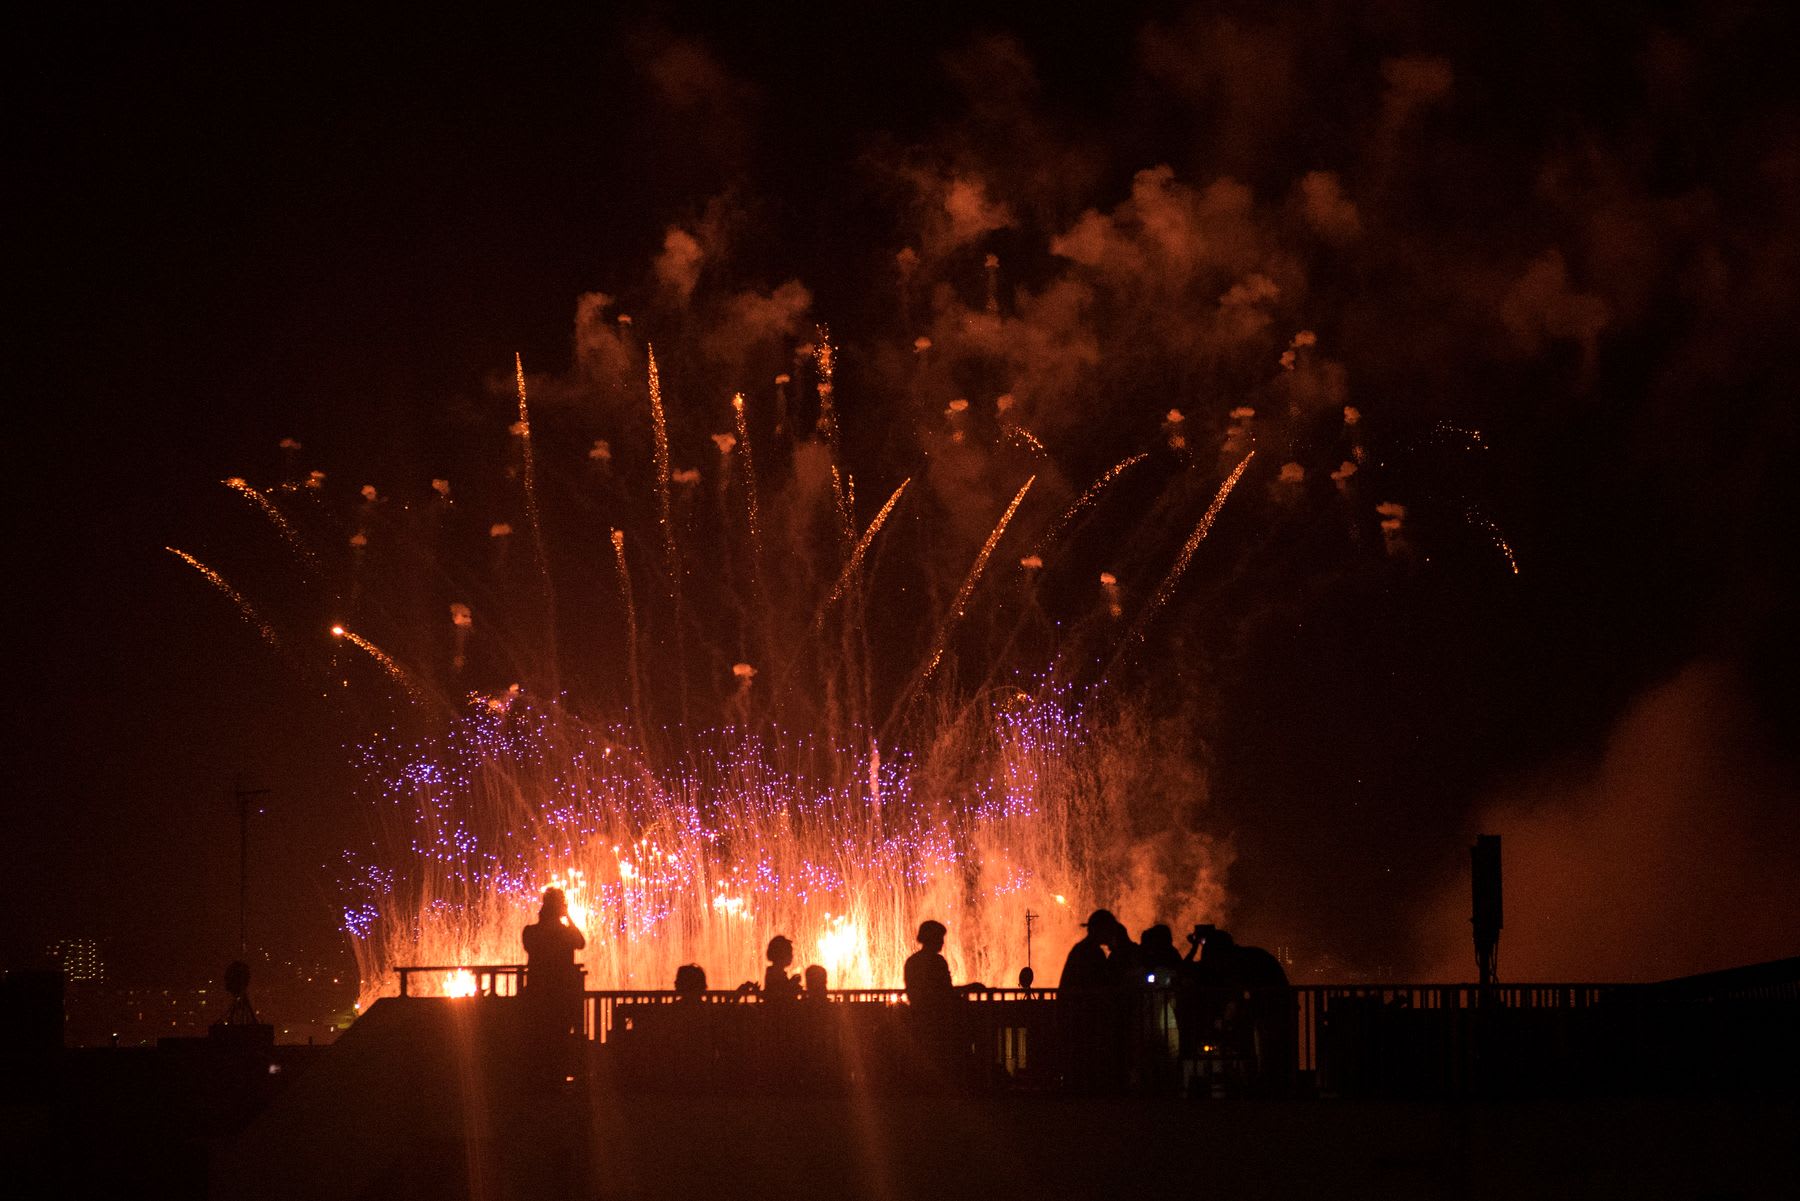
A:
(79, 959)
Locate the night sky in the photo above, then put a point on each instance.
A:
(1551, 259)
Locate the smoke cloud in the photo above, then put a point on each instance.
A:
(1669, 853)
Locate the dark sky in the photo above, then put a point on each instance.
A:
(1574, 232)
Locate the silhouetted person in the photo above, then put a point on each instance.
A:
(777, 984)
(552, 981)
(1092, 1000)
(1085, 969)
(1258, 1018)
(1157, 956)
(927, 972)
(690, 982)
(1157, 970)
(816, 984)
(1123, 963)
(937, 1017)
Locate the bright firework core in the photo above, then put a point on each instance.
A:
(765, 741)
(843, 851)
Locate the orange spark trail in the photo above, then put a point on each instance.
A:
(1087, 498)
(631, 633)
(537, 529)
(245, 609)
(1021, 434)
(660, 425)
(743, 441)
(1493, 532)
(1167, 588)
(380, 656)
(825, 359)
(968, 585)
(237, 484)
(862, 546)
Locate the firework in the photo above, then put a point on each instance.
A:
(276, 518)
(1167, 588)
(961, 604)
(245, 609)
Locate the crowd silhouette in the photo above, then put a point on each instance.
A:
(1128, 1016)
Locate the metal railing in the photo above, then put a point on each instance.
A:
(1328, 1039)
(487, 979)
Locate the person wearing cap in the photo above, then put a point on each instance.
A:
(1089, 995)
(1086, 967)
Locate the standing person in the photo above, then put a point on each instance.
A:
(777, 984)
(927, 972)
(552, 980)
(1158, 957)
(1085, 968)
(937, 1019)
(1085, 998)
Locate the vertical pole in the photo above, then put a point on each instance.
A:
(244, 796)
(243, 873)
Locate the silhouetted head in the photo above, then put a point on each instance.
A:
(1101, 924)
(781, 951)
(1157, 938)
(815, 982)
(555, 905)
(931, 935)
(690, 980)
(1209, 935)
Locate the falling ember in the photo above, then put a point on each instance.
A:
(659, 425)
(288, 532)
(1020, 434)
(1474, 517)
(1088, 497)
(1393, 526)
(961, 603)
(1167, 588)
(631, 630)
(825, 361)
(244, 608)
(393, 669)
(862, 546)
(462, 621)
(1109, 588)
(751, 510)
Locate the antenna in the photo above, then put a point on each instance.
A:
(1028, 975)
(243, 796)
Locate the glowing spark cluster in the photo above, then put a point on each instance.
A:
(703, 863)
(245, 609)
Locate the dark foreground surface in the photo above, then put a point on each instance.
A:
(1063, 1148)
(427, 1100)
